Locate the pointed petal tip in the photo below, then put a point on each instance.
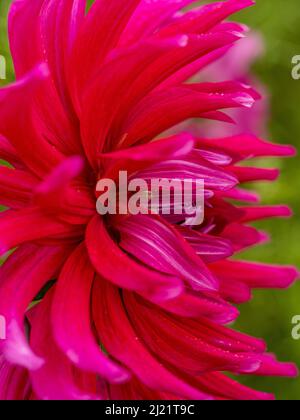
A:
(251, 365)
(285, 370)
(118, 375)
(285, 211)
(269, 397)
(288, 151)
(244, 3)
(264, 237)
(275, 174)
(245, 28)
(228, 317)
(28, 360)
(283, 150)
(293, 274)
(289, 275)
(16, 351)
(292, 371)
(271, 174)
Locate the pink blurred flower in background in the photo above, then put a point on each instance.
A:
(128, 307)
(236, 65)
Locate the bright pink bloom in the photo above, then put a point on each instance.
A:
(139, 303)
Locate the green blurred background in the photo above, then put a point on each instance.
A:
(270, 313)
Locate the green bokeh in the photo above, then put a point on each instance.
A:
(269, 314)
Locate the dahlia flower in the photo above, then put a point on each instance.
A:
(126, 307)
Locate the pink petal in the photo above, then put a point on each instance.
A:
(226, 388)
(56, 379)
(158, 245)
(127, 347)
(30, 224)
(248, 146)
(116, 266)
(162, 110)
(256, 275)
(265, 212)
(209, 248)
(242, 236)
(183, 346)
(8, 153)
(148, 17)
(71, 319)
(138, 157)
(20, 96)
(23, 275)
(16, 187)
(204, 18)
(199, 305)
(95, 41)
(14, 382)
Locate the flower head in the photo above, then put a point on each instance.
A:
(130, 307)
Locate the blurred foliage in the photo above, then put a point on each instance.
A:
(269, 314)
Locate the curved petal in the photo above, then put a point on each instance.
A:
(116, 266)
(96, 40)
(138, 157)
(31, 224)
(14, 382)
(225, 388)
(199, 305)
(204, 18)
(22, 276)
(246, 146)
(256, 275)
(56, 379)
(250, 174)
(153, 61)
(253, 214)
(126, 346)
(242, 236)
(186, 346)
(148, 17)
(65, 195)
(71, 319)
(158, 245)
(18, 118)
(22, 25)
(162, 110)
(51, 27)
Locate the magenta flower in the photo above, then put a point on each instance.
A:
(130, 307)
